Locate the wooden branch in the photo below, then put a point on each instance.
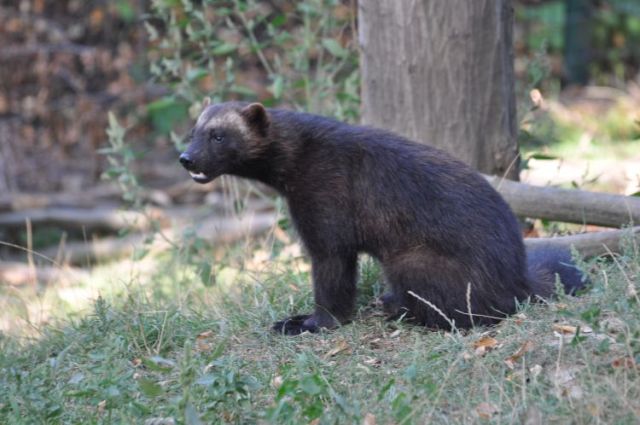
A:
(104, 249)
(19, 274)
(77, 218)
(102, 194)
(589, 244)
(226, 229)
(572, 206)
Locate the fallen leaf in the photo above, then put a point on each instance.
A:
(204, 335)
(276, 382)
(519, 318)
(203, 341)
(535, 370)
(102, 405)
(486, 410)
(624, 363)
(372, 361)
(565, 329)
(395, 333)
(369, 419)
(484, 344)
(375, 343)
(342, 345)
(512, 359)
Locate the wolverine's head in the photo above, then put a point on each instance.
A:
(226, 137)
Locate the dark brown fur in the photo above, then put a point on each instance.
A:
(436, 226)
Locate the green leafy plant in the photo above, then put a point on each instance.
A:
(301, 54)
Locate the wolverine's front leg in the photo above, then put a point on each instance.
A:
(334, 288)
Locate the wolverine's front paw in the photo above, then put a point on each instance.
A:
(295, 325)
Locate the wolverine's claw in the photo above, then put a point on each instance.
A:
(295, 325)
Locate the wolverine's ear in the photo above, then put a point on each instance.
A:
(257, 117)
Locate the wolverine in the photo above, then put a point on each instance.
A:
(450, 248)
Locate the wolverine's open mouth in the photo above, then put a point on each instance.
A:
(200, 177)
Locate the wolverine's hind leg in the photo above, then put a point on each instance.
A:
(392, 305)
(429, 290)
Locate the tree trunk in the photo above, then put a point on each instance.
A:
(441, 72)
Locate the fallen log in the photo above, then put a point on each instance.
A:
(213, 230)
(100, 195)
(590, 245)
(567, 205)
(20, 274)
(102, 218)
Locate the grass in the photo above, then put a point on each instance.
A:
(184, 337)
(160, 347)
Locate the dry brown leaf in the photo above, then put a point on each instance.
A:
(341, 346)
(565, 329)
(624, 363)
(519, 318)
(486, 410)
(395, 333)
(486, 341)
(484, 344)
(369, 419)
(205, 334)
(372, 361)
(512, 359)
(102, 405)
(203, 341)
(375, 343)
(96, 17)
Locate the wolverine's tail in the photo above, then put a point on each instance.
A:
(547, 262)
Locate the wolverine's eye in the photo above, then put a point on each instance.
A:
(216, 136)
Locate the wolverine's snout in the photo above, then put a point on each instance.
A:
(186, 161)
(197, 175)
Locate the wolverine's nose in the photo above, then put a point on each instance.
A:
(186, 161)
